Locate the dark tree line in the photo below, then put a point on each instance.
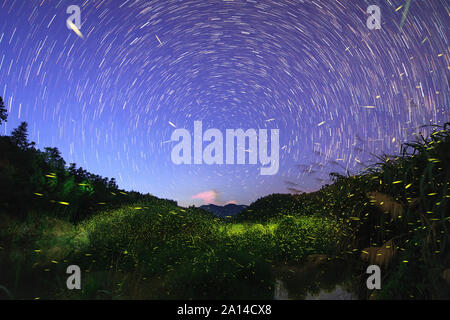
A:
(32, 180)
(3, 112)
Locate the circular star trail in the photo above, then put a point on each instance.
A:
(338, 91)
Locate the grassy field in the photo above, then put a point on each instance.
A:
(144, 252)
(394, 214)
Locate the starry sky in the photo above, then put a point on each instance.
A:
(338, 91)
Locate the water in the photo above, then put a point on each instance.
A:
(281, 293)
(318, 278)
(338, 293)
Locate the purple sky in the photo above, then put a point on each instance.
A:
(337, 91)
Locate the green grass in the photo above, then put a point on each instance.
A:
(149, 252)
(156, 250)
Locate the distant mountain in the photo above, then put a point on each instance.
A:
(224, 211)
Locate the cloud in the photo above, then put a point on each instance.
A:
(208, 197)
(231, 202)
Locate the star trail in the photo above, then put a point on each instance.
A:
(110, 93)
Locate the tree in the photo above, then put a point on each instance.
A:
(3, 113)
(20, 136)
(112, 184)
(53, 157)
(335, 176)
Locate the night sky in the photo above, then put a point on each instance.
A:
(338, 91)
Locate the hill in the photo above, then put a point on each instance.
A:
(32, 180)
(277, 205)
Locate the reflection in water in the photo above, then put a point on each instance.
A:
(319, 278)
(338, 293)
(281, 292)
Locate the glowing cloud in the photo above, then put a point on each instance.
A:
(208, 197)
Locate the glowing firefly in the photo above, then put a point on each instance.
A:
(75, 29)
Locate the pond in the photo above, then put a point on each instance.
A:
(318, 278)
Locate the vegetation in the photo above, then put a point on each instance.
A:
(157, 251)
(32, 180)
(3, 111)
(397, 208)
(134, 246)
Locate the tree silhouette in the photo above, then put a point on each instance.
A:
(20, 136)
(54, 159)
(3, 113)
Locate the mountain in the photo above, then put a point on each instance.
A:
(275, 205)
(224, 211)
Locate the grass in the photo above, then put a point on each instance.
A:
(145, 252)
(156, 250)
